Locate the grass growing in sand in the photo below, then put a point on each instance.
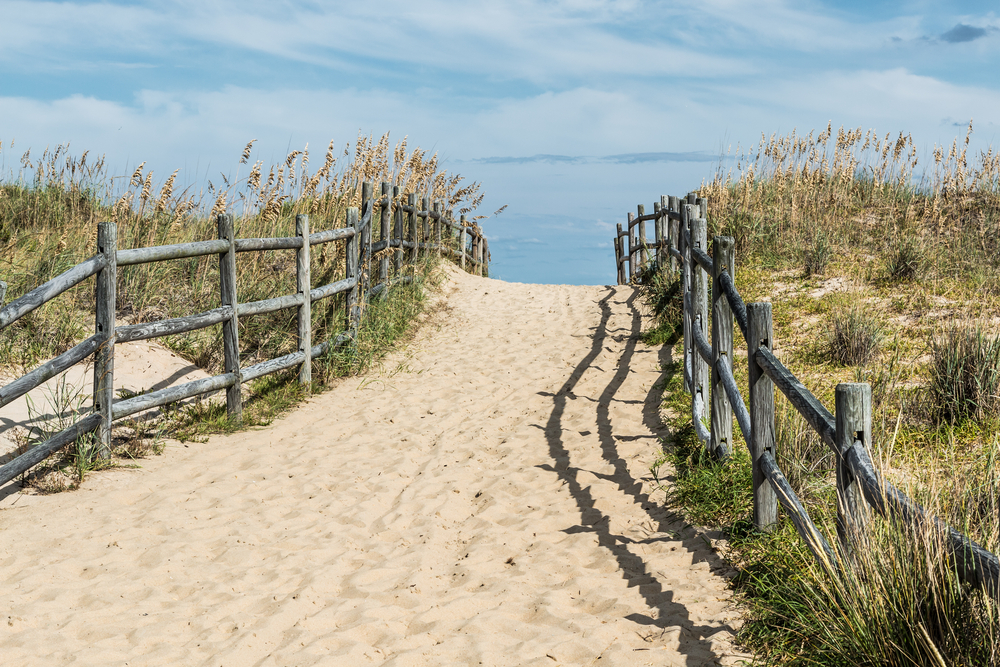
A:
(873, 277)
(49, 210)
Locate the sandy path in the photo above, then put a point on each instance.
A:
(485, 500)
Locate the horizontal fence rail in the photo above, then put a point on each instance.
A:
(409, 231)
(680, 247)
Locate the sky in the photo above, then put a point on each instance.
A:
(570, 112)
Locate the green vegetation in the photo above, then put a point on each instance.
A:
(898, 289)
(48, 220)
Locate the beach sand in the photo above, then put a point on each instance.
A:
(484, 498)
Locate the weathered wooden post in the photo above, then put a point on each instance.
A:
(411, 201)
(657, 236)
(462, 240)
(351, 271)
(760, 333)
(663, 254)
(643, 251)
(479, 253)
(385, 205)
(425, 207)
(398, 230)
(230, 327)
(303, 283)
(486, 257)
(104, 325)
(365, 241)
(3, 291)
(618, 255)
(853, 404)
(723, 261)
(684, 231)
(622, 279)
(437, 226)
(674, 233)
(699, 319)
(633, 248)
(702, 203)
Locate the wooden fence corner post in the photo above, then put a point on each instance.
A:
(618, 255)
(230, 327)
(303, 283)
(674, 233)
(425, 208)
(723, 261)
(760, 333)
(853, 405)
(385, 212)
(397, 225)
(462, 240)
(104, 357)
(699, 319)
(353, 310)
(643, 250)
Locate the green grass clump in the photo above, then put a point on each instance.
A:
(853, 337)
(965, 373)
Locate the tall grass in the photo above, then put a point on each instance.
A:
(917, 249)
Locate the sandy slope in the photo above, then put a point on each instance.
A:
(484, 500)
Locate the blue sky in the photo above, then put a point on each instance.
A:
(571, 112)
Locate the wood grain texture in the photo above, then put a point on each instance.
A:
(723, 262)
(643, 251)
(155, 399)
(230, 327)
(331, 235)
(49, 290)
(268, 305)
(397, 230)
(633, 249)
(330, 289)
(104, 326)
(853, 410)
(700, 372)
(177, 325)
(463, 237)
(761, 395)
(165, 252)
(685, 265)
(351, 270)
(275, 365)
(736, 305)
(385, 212)
(303, 285)
(279, 243)
(412, 220)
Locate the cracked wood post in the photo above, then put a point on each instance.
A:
(699, 319)
(673, 233)
(230, 327)
(683, 235)
(397, 225)
(385, 206)
(618, 254)
(351, 246)
(723, 261)
(104, 325)
(760, 333)
(303, 283)
(853, 405)
(643, 252)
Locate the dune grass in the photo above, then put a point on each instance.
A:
(49, 210)
(880, 277)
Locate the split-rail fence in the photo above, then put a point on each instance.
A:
(415, 228)
(680, 245)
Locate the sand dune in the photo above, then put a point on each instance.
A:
(483, 499)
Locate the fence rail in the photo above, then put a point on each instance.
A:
(680, 246)
(422, 229)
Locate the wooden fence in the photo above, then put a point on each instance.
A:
(412, 228)
(681, 245)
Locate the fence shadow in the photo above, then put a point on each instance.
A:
(663, 610)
